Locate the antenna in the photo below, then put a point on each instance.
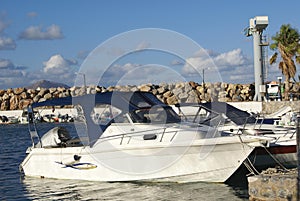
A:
(255, 29)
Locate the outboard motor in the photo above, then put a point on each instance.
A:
(63, 135)
(56, 137)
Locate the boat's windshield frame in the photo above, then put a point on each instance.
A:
(154, 115)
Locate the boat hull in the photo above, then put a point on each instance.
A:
(284, 155)
(202, 160)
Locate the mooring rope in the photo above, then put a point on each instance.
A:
(252, 171)
(248, 164)
(277, 161)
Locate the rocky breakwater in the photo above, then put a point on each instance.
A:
(182, 92)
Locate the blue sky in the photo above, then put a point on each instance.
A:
(51, 39)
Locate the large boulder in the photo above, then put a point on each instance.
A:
(24, 103)
(43, 91)
(37, 98)
(5, 105)
(172, 100)
(14, 102)
(2, 92)
(145, 88)
(193, 84)
(18, 91)
(48, 96)
(24, 95)
(52, 90)
(5, 96)
(161, 90)
(167, 94)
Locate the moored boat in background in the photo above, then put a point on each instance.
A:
(281, 150)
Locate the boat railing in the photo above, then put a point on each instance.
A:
(256, 125)
(290, 132)
(35, 138)
(153, 132)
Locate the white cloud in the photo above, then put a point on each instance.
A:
(57, 64)
(232, 66)
(6, 63)
(12, 76)
(231, 58)
(118, 70)
(37, 33)
(143, 45)
(136, 74)
(11, 73)
(7, 43)
(57, 69)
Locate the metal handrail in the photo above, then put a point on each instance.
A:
(139, 133)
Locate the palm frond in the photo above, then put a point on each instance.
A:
(281, 66)
(286, 41)
(298, 59)
(273, 58)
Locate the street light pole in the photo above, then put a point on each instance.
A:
(203, 77)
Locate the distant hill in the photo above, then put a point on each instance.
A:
(46, 84)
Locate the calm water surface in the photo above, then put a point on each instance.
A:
(14, 140)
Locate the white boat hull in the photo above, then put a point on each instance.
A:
(210, 160)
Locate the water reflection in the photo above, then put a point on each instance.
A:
(52, 189)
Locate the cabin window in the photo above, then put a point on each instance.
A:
(155, 114)
(103, 114)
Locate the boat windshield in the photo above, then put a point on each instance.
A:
(156, 115)
(102, 114)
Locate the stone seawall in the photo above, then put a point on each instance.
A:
(188, 92)
(274, 186)
(273, 106)
(182, 92)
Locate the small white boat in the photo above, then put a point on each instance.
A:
(281, 150)
(133, 136)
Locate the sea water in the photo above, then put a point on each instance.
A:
(14, 140)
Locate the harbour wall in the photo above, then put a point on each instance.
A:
(273, 186)
(239, 95)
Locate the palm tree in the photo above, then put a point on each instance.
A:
(286, 42)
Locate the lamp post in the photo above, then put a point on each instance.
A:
(203, 77)
(203, 83)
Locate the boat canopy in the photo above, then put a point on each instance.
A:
(236, 115)
(126, 101)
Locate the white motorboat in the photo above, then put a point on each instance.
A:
(130, 136)
(281, 149)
